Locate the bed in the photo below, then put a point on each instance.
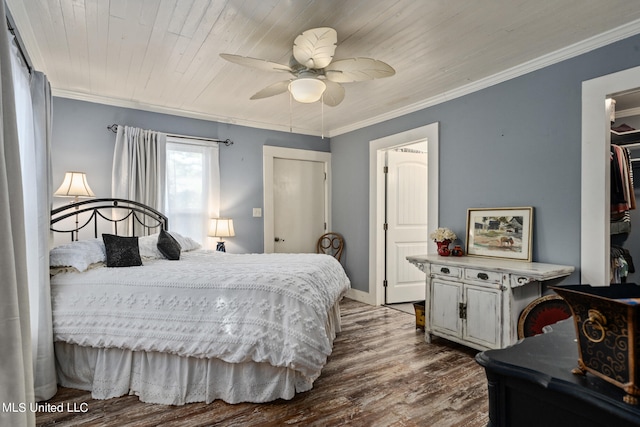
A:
(206, 326)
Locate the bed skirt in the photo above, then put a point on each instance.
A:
(174, 380)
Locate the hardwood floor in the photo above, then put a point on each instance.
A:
(381, 373)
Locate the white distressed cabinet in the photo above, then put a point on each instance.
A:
(477, 301)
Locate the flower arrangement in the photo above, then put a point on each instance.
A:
(441, 234)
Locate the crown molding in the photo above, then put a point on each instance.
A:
(124, 103)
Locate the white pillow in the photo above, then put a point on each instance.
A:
(149, 245)
(186, 243)
(80, 254)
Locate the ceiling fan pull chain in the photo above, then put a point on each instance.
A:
(290, 113)
(322, 117)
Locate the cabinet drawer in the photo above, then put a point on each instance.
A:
(483, 276)
(446, 270)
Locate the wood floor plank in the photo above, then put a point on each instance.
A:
(381, 373)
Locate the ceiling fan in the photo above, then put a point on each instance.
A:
(316, 75)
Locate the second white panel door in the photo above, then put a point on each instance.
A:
(407, 233)
(298, 204)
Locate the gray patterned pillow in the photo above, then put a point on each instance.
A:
(121, 251)
(168, 246)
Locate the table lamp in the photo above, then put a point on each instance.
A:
(74, 185)
(221, 227)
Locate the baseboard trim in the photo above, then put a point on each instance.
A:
(361, 296)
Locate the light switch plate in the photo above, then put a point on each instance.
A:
(257, 212)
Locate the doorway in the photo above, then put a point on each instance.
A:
(595, 193)
(377, 149)
(298, 175)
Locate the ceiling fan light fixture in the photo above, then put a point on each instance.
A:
(317, 77)
(307, 89)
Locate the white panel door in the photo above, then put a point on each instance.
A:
(298, 205)
(407, 232)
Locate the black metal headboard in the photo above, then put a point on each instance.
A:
(143, 217)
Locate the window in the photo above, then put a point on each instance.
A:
(192, 186)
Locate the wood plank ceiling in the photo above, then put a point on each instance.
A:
(163, 55)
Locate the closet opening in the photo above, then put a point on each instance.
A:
(624, 223)
(595, 234)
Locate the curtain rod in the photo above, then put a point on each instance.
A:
(18, 39)
(114, 128)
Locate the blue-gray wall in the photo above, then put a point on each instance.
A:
(517, 143)
(82, 142)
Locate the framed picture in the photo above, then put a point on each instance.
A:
(500, 232)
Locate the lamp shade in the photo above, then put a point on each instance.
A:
(221, 227)
(307, 89)
(74, 185)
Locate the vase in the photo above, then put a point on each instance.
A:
(443, 248)
(457, 251)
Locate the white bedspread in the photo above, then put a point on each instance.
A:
(269, 308)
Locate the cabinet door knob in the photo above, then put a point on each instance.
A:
(444, 270)
(483, 276)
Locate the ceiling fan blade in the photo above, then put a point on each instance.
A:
(314, 48)
(259, 64)
(333, 94)
(357, 69)
(271, 90)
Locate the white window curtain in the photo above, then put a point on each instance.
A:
(33, 113)
(40, 294)
(24, 329)
(192, 186)
(138, 167)
(16, 369)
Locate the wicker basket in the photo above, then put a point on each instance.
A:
(419, 308)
